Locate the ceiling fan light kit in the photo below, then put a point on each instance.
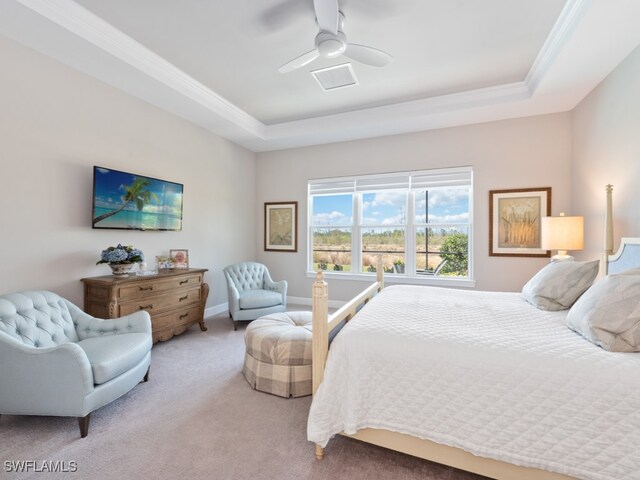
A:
(331, 42)
(329, 45)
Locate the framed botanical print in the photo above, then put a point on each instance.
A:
(281, 226)
(515, 221)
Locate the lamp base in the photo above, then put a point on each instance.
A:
(562, 258)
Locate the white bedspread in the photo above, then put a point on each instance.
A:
(485, 372)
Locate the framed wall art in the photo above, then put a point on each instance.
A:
(281, 227)
(515, 221)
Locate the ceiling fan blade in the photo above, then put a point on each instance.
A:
(367, 55)
(300, 61)
(327, 15)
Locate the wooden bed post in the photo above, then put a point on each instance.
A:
(323, 324)
(320, 346)
(608, 230)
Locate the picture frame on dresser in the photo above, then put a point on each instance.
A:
(515, 219)
(180, 258)
(164, 263)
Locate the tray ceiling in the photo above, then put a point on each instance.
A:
(215, 63)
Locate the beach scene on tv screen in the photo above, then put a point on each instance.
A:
(128, 201)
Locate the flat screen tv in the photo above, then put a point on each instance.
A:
(128, 201)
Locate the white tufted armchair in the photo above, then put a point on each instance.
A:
(252, 293)
(57, 360)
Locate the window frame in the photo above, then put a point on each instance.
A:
(411, 226)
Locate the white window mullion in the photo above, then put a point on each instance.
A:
(410, 237)
(356, 239)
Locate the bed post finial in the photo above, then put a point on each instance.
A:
(608, 229)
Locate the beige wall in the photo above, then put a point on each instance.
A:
(55, 124)
(606, 149)
(528, 152)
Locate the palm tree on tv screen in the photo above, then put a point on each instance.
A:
(136, 192)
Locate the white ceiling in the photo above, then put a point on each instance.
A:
(235, 47)
(455, 61)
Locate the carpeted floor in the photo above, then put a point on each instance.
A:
(197, 418)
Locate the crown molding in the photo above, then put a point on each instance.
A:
(560, 33)
(129, 66)
(397, 113)
(88, 26)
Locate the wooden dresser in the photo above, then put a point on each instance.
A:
(174, 298)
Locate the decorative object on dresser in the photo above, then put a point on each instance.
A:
(174, 298)
(164, 263)
(514, 221)
(180, 258)
(121, 259)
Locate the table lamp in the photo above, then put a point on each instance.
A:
(562, 234)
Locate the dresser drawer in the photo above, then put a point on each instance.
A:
(150, 287)
(166, 325)
(161, 301)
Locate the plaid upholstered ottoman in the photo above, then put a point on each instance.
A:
(278, 356)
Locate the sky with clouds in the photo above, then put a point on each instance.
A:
(387, 208)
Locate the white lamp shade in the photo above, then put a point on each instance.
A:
(562, 233)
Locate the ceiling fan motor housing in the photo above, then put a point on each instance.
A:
(330, 45)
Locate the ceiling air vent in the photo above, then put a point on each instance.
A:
(338, 76)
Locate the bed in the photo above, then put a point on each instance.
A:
(482, 381)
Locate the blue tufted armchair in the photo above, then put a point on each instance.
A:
(57, 360)
(252, 293)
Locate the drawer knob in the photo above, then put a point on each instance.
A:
(146, 307)
(185, 315)
(184, 281)
(142, 289)
(181, 299)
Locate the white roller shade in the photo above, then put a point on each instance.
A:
(438, 178)
(421, 180)
(331, 187)
(380, 182)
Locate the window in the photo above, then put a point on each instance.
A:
(331, 230)
(420, 222)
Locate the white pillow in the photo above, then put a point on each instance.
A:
(608, 314)
(558, 285)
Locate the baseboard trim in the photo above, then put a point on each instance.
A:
(216, 310)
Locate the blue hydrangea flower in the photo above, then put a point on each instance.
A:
(121, 254)
(136, 253)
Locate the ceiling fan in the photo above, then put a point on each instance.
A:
(331, 41)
